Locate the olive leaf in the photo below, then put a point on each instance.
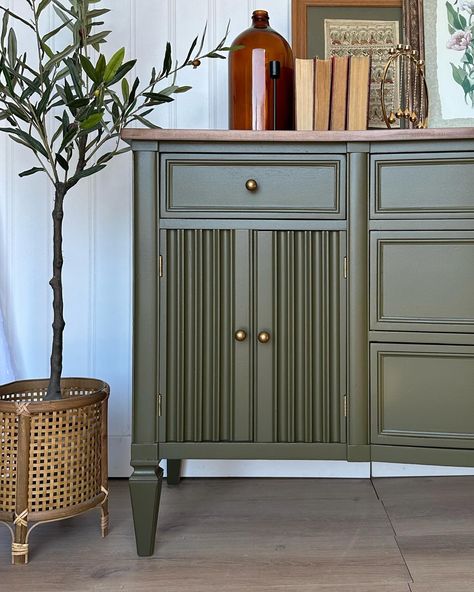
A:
(31, 171)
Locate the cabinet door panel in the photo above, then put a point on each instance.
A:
(301, 301)
(422, 281)
(287, 283)
(422, 395)
(205, 372)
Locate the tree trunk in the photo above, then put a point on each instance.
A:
(56, 283)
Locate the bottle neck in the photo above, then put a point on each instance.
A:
(260, 19)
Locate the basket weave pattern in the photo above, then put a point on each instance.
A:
(8, 454)
(53, 455)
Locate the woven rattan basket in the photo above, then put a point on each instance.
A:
(53, 455)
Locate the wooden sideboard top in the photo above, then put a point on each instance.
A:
(384, 135)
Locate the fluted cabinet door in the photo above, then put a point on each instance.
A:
(204, 371)
(301, 303)
(286, 381)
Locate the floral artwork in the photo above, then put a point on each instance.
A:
(375, 38)
(461, 26)
(449, 53)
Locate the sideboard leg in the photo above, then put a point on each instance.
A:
(173, 471)
(145, 492)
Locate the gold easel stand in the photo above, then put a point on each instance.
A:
(413, 92)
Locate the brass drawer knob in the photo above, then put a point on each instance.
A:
(251, 185)
(263, 336)
(240, 335)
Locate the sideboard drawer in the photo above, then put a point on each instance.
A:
(422, 281)
(415, 186)
(422, 395)
(216, 186)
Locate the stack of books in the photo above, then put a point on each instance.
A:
(332, 94)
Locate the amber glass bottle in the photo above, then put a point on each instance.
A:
(251, 89)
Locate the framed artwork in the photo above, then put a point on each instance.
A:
(325, 28)
(450, 62)
(372, 38)
(308, 20)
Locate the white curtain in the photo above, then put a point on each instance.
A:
(6, 371)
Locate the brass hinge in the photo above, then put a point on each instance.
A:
(345, 266)
(160, 405)
(161, 266)
(345, 405)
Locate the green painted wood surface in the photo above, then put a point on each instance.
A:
(421, 337)
(425, 186)
(358, 380)
(263, 320)
(307, 292)
(145, 492)
(289, 284)
(145, 295)
(422, 395)
(423, 456)
(173, 471)
(254, 224)
(254, 450)
(145, 482)
(455, 224)
(206, 285)
(204, 186)
(422, 281)
(455, 146)
(277, 265)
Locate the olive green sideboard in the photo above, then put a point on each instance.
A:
(300, 295)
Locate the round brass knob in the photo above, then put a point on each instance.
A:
(251, 185)
(240, 335)
(263, 336)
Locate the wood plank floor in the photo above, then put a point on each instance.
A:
(262, 535)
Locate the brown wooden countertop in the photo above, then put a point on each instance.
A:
(384, 135)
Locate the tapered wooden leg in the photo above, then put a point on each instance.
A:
(173, 471)
(145, 492)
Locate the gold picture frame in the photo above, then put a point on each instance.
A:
(411, 20)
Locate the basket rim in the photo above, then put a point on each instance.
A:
(101, 391)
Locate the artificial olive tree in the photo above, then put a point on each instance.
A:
(90, 101)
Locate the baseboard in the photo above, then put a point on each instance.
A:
(274, 468)
(119, 456)
(380, 469)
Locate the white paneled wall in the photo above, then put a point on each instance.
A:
(98, 223)
(97, 245)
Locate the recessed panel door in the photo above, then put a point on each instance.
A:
(422, 281)
(422, 395)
